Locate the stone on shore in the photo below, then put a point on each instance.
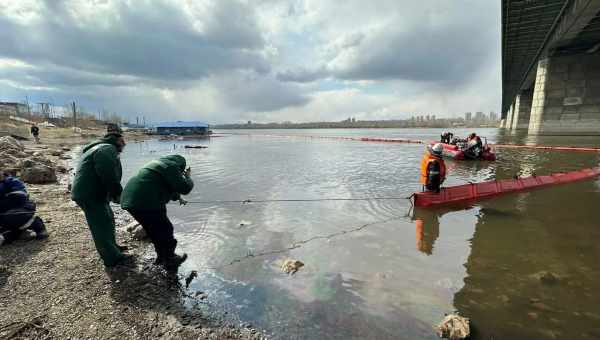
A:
(137, 232)
(547, 277)
(38, 174)
(36, 160)
(33, 167)
(291, 266)
(10, 145)
(8, 161)
(454, 327)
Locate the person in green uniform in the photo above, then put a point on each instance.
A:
(97, 182)
(146, 196)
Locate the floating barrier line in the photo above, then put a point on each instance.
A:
(543, 147)
(356, 139)
(416, 141)
(476, 191)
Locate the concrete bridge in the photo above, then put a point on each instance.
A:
(551, 66)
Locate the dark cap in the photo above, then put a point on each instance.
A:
(113, 129)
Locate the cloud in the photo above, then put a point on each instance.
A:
(258, 94)
(302, 75)
(232, 60)
(436, 42)
(148, 39)
(38, 75)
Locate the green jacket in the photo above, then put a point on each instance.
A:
(157, 183)
(98, 173)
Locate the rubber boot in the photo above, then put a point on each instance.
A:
(174, 261)
(39, 228)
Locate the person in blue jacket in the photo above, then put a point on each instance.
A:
(17, 211)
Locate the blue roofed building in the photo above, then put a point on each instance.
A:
(181, 128)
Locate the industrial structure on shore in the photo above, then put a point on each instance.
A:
(181, 128)
(551, 66)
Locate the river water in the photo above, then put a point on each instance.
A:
(521, 266)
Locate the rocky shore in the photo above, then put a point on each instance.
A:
(58, 288)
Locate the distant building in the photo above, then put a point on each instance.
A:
(493, 116)
(468, 116)
(479, 116)
(249, 122)
(433, 117)
(11, 108)
(181, 128)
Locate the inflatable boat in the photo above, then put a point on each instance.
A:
(457, 153)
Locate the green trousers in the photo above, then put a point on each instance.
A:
(101, 220)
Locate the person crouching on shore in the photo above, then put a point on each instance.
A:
(17, 211)
(146, 196)
(97, 182)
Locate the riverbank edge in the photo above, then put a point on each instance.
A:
(59, 289)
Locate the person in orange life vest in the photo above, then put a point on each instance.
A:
(433, 168)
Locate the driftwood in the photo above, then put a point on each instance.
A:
(195, 147)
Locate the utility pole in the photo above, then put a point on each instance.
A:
(45, 109)
(74, 115)
(27, 102)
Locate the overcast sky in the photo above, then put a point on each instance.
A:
(260, 60)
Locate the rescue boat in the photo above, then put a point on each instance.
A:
(456, 153)
(475, 191)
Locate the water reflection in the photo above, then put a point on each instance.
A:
(532, 272)
(427, 224)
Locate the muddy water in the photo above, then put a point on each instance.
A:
(521, 266)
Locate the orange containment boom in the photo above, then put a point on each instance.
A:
(543, 147)
(475, 191)
(389, 140)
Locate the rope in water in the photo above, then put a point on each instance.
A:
(298, 200)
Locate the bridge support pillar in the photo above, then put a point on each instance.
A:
(509, 116)
(522, 110)
(566, 96)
